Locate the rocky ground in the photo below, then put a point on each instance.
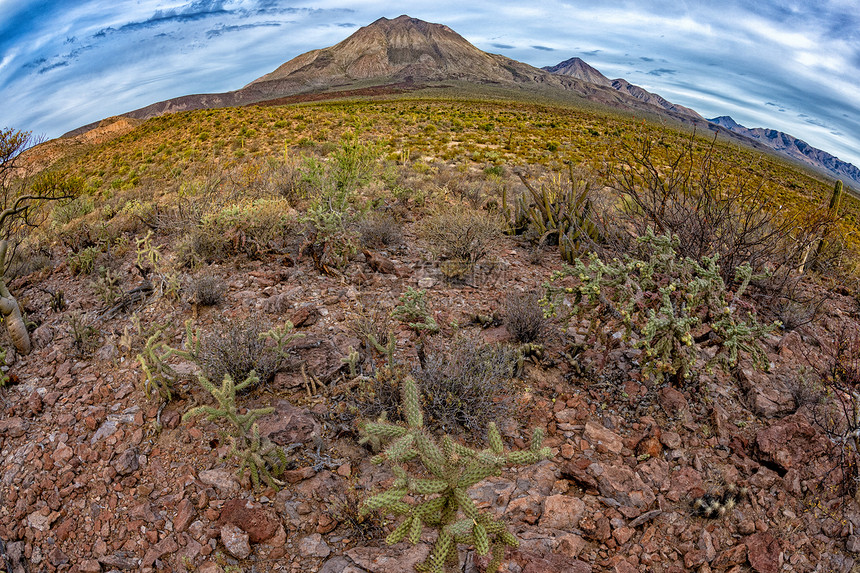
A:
(96, 477)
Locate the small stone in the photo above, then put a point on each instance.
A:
(601, 439)
(34, 402)
(853, 543)
(426, 282)
(764, 553)
(623, 534)
(259, 522)
(89, 566)
(671, 440)
(314, 546)
(235, 540)
(127, 462)
(345, 470)
(222, 479)
(562, 512)
(184, 515)
(13, 427)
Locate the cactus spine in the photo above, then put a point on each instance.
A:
(445, 505)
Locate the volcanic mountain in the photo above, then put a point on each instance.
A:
(402, 54)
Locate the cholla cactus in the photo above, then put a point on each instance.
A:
(453, 469)
(659, 298)
(413, 311)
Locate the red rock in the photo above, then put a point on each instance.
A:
(764, 553)
(184, 516)
(235, 541)
(601, 439)
(623, 534)
(791, 442)
(89, 566)
(732, 556)
(13, 427)
(624, 485)
(34, 402)
(562, 512)
(295, 476)
(672, 401)
(694, 559)
(259, 522)
(534, 563)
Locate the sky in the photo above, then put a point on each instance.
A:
(789, 65)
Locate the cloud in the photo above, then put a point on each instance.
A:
(503, 46)
(662, 72)
(544, 48)
(224, 29)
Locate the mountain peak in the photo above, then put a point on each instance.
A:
(727, 122)
(394, 50)
(578, 68)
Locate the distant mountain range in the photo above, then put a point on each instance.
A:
(792, 147)
(407, 54)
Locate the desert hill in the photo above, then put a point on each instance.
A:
(235, 292)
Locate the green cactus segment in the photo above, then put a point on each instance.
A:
(412, 403)
(836, 198)
(439, 498)
(495, 439)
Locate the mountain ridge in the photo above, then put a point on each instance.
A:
(791, 146)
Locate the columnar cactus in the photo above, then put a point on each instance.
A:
(453, 469)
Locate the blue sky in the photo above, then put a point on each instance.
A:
(791, 66)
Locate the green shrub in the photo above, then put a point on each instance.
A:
(413, 311)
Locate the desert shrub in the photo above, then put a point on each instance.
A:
(837, 413)
(690, 191)
(85, 336)
(464, 387)
(207, 290)
(83, 262)
(71, 210)
(236, 348)
(377, 230)
(460, 235)
(524, 317)
(659, 298)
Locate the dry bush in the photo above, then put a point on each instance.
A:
(236, 348)
(459, 233)
(378, 230)
(691, 191)
(524, 317)
(464, 386)
(207, 290)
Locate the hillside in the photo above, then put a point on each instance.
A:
(391, 236)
